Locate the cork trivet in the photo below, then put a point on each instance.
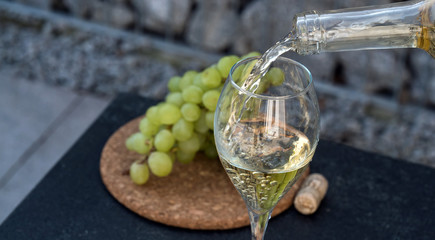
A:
(198, 195)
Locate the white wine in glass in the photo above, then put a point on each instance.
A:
(266, 136)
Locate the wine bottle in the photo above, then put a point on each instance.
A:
(398, 25)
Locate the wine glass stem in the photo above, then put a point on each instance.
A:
(258, 224)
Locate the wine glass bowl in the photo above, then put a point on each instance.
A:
(266, 134)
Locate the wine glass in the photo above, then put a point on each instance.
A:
(266, 137)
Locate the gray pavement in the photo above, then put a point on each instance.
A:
(39, 123)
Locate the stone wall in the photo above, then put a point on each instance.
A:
(241, 26)
(380, 101)
(85, 56)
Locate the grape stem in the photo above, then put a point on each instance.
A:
(145, 158)
(174, 150)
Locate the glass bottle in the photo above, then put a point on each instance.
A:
(399, 25)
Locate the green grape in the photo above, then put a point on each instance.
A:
(139, 173)
(210, 151)
(224, 115)
(160, 164)
(200, 125)
(202, 139)
(172, 155)
(164, 140)
(247, 70)
(185, 157)
(209, 120)
(175, 98)
(226, 103)
(182, 130)
(169, 113)
(220, 88)
(148, 128)
(187, 79)
(210, 99)
(152, 114)
(251, 54)
(190, 112)
(237, 73)
(198, 82)
(192, 94)
(173, 84)
(263, 86)
(275, 76)
(139, 143)
(193, 144)
(225, 64)
(210, 148)
(211, 77)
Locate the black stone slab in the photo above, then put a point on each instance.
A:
(370, 197)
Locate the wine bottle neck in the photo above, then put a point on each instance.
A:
(377, 27)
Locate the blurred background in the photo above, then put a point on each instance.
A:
(62, 61)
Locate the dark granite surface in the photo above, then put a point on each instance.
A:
(370, 197)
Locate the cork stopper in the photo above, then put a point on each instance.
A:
(312, 191)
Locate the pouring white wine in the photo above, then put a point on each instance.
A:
(398, 25)
(266, 138)
(266, 143)
(262, 162)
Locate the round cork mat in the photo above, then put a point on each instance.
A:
(198, 195)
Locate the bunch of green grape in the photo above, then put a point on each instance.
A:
(182, 125)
